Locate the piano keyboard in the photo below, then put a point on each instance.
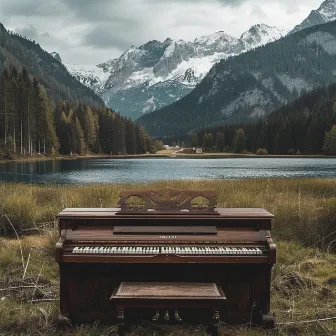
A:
(155, 250)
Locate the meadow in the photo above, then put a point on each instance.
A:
(304, 278)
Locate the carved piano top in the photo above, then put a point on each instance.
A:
(239, 213)
(159, 223)
(166, 203)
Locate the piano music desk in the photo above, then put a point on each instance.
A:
(168, 295)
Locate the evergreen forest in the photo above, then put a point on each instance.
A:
(31, 123)
(306, 125)
(17, 51)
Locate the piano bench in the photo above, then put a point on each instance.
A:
(168, 295)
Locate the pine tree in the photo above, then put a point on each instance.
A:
(120, 133)
(79, 134)
(149, 144)
(130, 137)
(140, 140)
(90, 129)
(47, 131)
(239, 141)
(211, 142)
(194, 140)
(205, 141)
(220, 141)
(329, 146)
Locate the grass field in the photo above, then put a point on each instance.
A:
(304, 278)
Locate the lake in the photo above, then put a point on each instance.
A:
(124, 170)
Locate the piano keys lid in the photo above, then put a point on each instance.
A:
(170, 230)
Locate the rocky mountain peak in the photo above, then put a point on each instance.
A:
(214, 38)
(163, 72)
(189, 76)
(261, 34)
(56, 56)
(325, 13)
(328, 8)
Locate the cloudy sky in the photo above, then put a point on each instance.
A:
(94, 31)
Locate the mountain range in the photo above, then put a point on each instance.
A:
(252, 84)
(148, 78)
(156, 74)
(325, 13)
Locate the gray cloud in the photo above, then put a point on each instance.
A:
(28, 31)
(94, 11)
(31, 32)
(93, 31)
(31, 8)
(102, 36)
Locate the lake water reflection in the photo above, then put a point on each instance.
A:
(93, 170)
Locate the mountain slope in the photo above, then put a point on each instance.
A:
(325, 13)
(158, 73)
(59, 83)
(252, 84)
(297, 127)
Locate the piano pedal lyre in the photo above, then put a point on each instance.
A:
(177, 316)
(156, 316)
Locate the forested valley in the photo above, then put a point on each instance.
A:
(305, 126)
(261, 80)
(33, 123)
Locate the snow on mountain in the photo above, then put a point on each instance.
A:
(261, 34)
(325, 13)
(159, 73)
(90, 76)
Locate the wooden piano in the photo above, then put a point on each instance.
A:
(165, 236)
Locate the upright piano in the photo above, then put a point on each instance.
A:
(165, 235)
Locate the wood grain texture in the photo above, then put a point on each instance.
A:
(172, 290)
(88, 280)
(167, 199)
(201, 230)
(244, 213)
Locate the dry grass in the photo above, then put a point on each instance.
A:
(304, 278)
(303, 287)
(305, 209)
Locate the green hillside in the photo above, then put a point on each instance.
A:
(18, 52)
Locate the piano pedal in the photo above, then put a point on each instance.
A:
(166, 316)
(156, 316)
(177, 316)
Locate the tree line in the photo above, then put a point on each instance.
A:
(31, 122)
(306, 125)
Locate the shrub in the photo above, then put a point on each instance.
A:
(262, 151)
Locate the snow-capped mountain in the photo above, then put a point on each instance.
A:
(158, 73)
(252, 84)
(325, 13)
(93, 77)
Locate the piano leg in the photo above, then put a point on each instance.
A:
(268, 321)
(214, 325)
(121, 323)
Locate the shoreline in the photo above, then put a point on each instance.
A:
(163, 155)
(76, 157)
